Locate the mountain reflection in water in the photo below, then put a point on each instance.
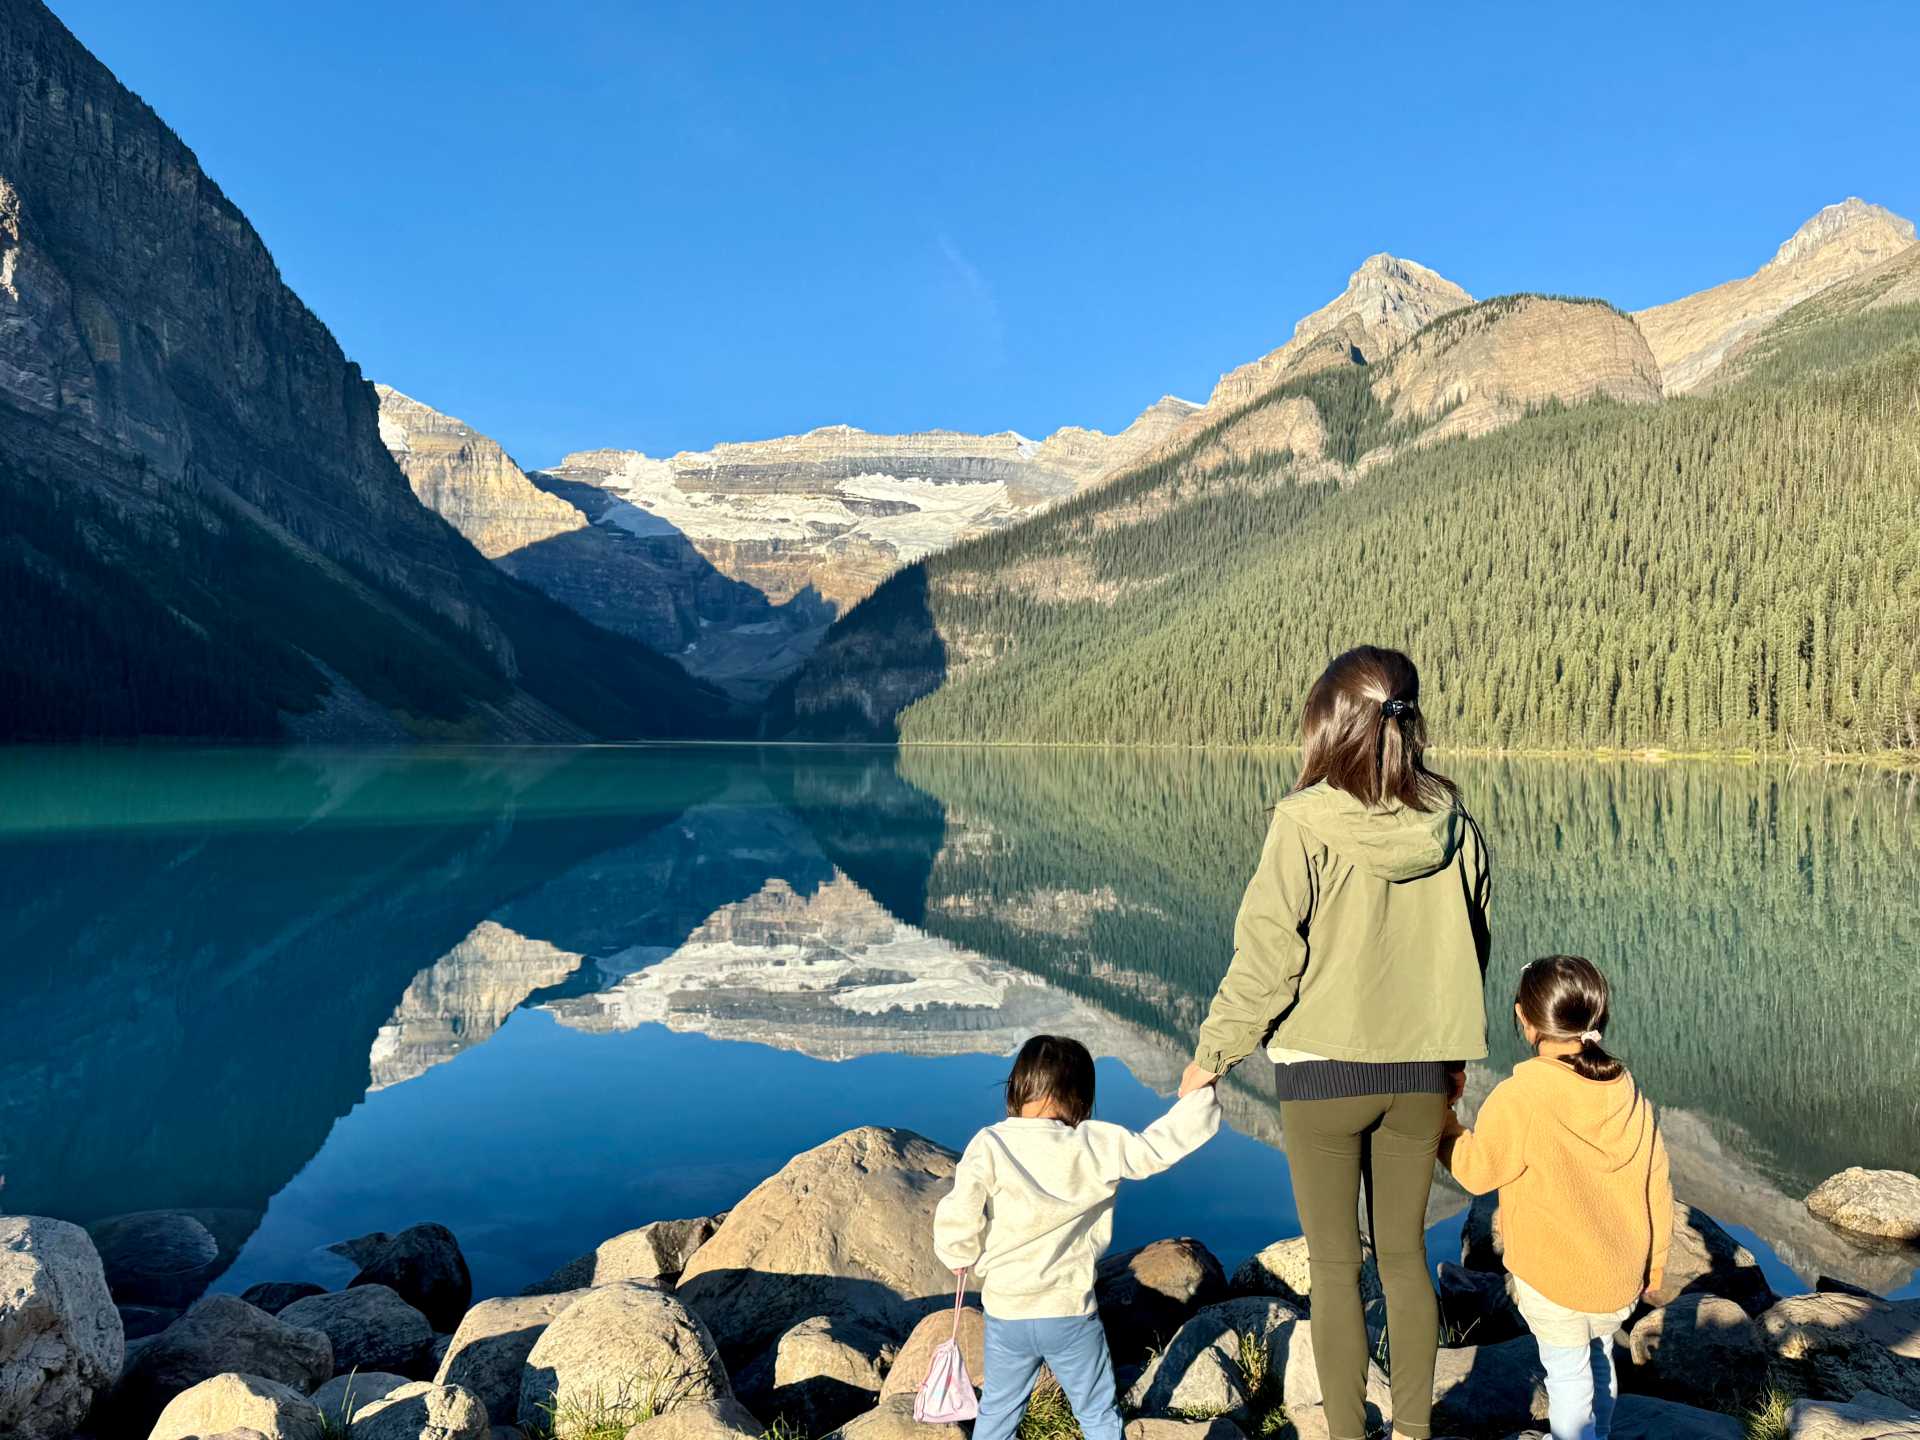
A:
(346, 991)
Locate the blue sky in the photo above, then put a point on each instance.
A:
(583, 223)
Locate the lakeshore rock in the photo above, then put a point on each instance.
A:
(1883, 1204)
(156, 1257)
(220, 1335)
(1643, 1417)
(1200, 1371)
(370, 1326)
(421, 1411)
(714, 1420)
(1145, 1295)
(1833, 1285)
(593, 1350)
(1842, 1344)
(341, 1398)
(1699, 1347)
(839, 1230)
(1488, 1389)
(1282, 1271)
(657, 1252)
(1476, 1307)
(818, 1374)
(909, 1368)
(1219, 1428)
(893, 1420)
(61, 1341)
(489, 1351)
(424, 1267)
(1867, 1416)
(273, 1296)
(227, 1402)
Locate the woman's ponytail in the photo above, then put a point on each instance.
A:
(1565, 997)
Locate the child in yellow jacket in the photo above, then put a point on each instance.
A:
(1586, 1209)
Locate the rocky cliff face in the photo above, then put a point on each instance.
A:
(466, 477)
(207, 535)
(1487, 366)
(1691, 337)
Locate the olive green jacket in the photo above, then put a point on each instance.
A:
(1363, 936)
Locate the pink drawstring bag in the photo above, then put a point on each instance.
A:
(946, 1395)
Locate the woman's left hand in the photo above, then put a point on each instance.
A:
(1194, 1078)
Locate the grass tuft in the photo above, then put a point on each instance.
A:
(607, 1414)
(1767, 1420)
(1048, 1417)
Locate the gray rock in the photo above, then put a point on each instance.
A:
(1882, 1204)
(818, 1375)
(893, 1420)
(61, 1341)
(1642, 1417)
(1145, 1295)
(244, 1432)
(1488, 1389)
(1866, 1416)
(371, 1329)
(421, 1411)
(909, 1370)
(341, 1397)
(156, 1257)
(1833, 1285)
(1204, 1370)
(424, 1267)
(1281, 1271)
(714, 1420)
(621, 1350)
(1842, 1344)
(657, 1252)
(220, 1335)
(1219, 1428)
(840, 1230)
(273, 1296)
(1701, 1348)
(227, 1402)
(490, 1349)
(1476, 1307)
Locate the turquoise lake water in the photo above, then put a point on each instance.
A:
(544, 995)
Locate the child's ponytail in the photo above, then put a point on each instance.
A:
(1565, 997)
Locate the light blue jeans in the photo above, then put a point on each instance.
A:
(1580, 1389)
(1075, 1347)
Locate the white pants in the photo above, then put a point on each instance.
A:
(1576, 1348)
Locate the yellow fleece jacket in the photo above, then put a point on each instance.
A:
(1586, 1209)
(1031, 1209)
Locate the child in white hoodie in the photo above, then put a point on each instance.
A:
(1031, 1212)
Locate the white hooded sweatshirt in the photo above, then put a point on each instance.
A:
(1031, 1210)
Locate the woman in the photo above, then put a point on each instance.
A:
(1359, 955)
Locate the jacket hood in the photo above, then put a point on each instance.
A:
(1607, 1120)
(1390, 841)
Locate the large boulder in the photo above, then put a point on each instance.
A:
(273, 1296)
(658, 1252)
(1701, 1348)
(1642, 1417)
(1218, 1428)
(490, 1349)
(714, 1420)
(621, 1352)
(1884, 1204)
(156, 1257)
(340, 1398)
(893, 1420)
(1842, 1344)
(909, 1369)
(421, 1411)
(1488, 1389)
(1281, 1271)
(840, 1230)
(1145, 1295)
(1865, 1417)
(818, 1374)
(1476, 1307)
(371, 1328)
(1231, 1359)
(221, 1404)
(424, 1267)
(61, 1341)
(220, 1335)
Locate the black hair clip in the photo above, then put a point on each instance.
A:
(1391, 708)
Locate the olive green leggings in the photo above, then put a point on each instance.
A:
(1389, 1140)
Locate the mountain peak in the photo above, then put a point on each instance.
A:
(1391, 297)
(1864, 226)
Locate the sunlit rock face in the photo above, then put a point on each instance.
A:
(1691, 337)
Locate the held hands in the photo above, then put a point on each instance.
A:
(1194, 1078)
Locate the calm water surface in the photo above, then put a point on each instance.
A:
(541, 996)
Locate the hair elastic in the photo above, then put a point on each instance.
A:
(1391, 708)
(1589, 1037)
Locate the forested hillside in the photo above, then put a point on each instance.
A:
(1734, 571)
